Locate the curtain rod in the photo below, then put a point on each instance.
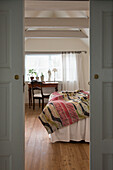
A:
(53, 52)
(74, 52)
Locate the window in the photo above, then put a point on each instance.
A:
(41, 63)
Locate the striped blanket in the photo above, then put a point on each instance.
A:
(64, 108)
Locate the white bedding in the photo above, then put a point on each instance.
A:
(75, 132)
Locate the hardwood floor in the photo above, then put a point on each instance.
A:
(40, 154)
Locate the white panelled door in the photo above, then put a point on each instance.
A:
(101, 85)
(11, 86)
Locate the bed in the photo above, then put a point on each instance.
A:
(66, 116)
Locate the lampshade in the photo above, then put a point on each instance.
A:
(54, 69)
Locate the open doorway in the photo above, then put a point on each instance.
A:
(63, 32)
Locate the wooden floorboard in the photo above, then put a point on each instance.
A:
(40, 154)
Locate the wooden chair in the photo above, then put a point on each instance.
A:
(38, 87)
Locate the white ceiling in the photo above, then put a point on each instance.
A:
(50, 10)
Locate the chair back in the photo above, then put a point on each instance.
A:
(36, 86)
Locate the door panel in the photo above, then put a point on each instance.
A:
(11, 90)
(107, 39)
(5, 32)
(107, 110)
(5, 124)
(102, 88)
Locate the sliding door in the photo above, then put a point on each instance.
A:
(11, 85)
(101, 85)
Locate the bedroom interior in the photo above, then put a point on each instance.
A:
(58, 32)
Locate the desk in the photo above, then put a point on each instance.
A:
(45, 84)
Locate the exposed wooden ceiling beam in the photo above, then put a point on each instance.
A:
(56, 5)
(57, 22)
(55, 34)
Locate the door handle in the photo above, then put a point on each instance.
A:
(96, 76)
(16, 77)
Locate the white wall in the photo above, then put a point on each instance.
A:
(56, 45)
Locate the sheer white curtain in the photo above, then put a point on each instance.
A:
(73, 73)
(81, 71)
(69, 71)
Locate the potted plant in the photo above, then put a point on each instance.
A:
(42, 77)
(32, 72)
(37, 77)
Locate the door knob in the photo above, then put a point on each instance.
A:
(96, 76)
(16, 77)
